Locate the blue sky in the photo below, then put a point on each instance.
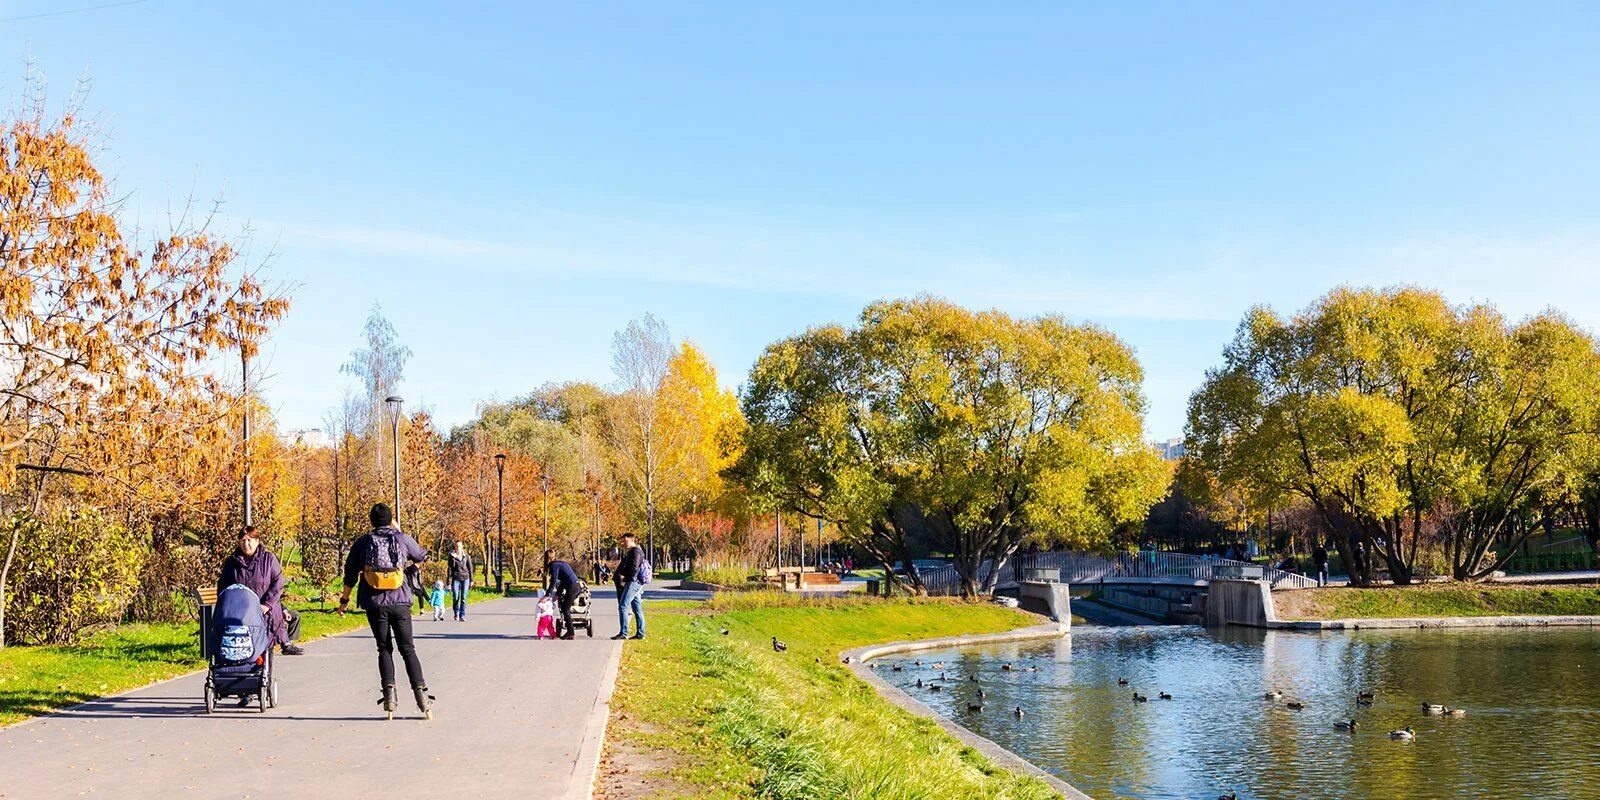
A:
(515, 182)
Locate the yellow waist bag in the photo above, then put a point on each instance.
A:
(385, 580)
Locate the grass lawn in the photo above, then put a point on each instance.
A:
(1442, 600)
(702, 715)
(38, 680)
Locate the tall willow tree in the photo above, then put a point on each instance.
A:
(990, 429)
(1413, 427)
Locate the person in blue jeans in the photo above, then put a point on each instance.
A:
(460, 580)
(630, 589)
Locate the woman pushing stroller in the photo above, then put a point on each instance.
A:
(377, 562)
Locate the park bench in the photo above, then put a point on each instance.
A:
(206, 597)
(819, 579)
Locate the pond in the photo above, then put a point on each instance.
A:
(1531, 697)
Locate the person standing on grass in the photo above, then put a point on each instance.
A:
(378, 562)
(560, 579)
(1319, 556)
(629, 578)
(255, 566)
(460, 580)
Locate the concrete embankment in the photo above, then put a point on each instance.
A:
(1249, 603)
(860, 656)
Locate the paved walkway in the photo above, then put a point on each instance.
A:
(514, 717)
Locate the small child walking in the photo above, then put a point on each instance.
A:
(547, 618)
(436, 599)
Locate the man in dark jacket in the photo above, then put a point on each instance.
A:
(1319, 556)
(560, 578)
(256, 567)
(460, 579)
(377, 561)
(630, 591)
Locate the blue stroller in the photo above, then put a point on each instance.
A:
(238, 650)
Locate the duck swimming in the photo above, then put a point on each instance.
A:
(1405, 733)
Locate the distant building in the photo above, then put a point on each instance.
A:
(312, 438)
(1171, 449)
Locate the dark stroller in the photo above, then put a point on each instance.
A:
(238, 650)
(581, 606)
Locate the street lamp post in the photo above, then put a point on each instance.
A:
(594, 496)
(395, 402)
(500, 522)
(544, 482)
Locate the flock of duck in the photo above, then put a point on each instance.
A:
(938, 684)
(1363, 699)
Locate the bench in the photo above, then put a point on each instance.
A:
(206, 596)
(820, 579)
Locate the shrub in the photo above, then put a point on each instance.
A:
(733, 577)
(72, 570)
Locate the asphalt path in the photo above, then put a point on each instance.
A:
(514, 716)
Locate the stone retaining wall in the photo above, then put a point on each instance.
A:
(1249, 603)
(859, 657)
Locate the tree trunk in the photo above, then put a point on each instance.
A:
(5, 572)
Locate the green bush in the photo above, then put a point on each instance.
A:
(72, 570)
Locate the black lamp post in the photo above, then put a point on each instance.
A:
(500, 523)
(394, 402)
(544, 482)
(594, 496)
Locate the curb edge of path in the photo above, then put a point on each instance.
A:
(1003, 758)
(586, 772)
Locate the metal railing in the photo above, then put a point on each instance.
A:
(1079, 568)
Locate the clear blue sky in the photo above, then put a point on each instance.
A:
(515, 182)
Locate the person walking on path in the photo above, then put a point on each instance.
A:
(460, 580)
(629, 578)
(378, 562)
(1319, 556)
(562, 580)
(256, 567)
(436, 599)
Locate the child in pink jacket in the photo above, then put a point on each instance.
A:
(547, 618)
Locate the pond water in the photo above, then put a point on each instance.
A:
(1532, 697)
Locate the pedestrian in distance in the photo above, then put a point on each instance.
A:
(561, 581)
(1319, 557)
(630, 577)
(436, 599)
(377, 563)
(460, 580)
(253, 565)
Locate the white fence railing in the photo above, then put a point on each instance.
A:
(1078, 568)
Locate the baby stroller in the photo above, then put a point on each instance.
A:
(238, 649)
(581, 607)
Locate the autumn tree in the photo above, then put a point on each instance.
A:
(649, 454)
(984, 429)
(1413, 427)
(105, 341)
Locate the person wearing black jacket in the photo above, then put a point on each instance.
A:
(560, 578)
(460, 579)
(630, 592)
(1319, 556)
(388, 610)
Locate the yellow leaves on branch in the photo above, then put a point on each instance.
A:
(103, 345)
